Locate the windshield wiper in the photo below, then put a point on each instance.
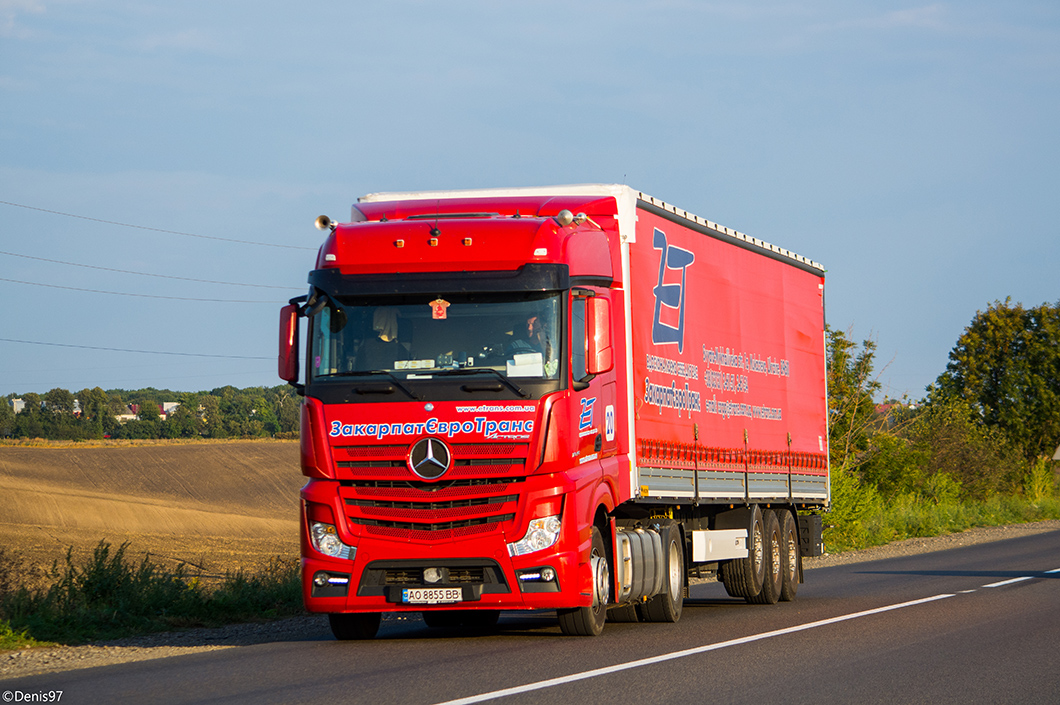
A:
(464, 371)
(395, 380)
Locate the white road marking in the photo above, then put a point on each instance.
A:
(574, 677)
(1009, 582)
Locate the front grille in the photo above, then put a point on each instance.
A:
(482, 575)
(432, 506)
(478, 494)
(439, 526)
(414, 576)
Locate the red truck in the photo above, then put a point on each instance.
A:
(569, 398)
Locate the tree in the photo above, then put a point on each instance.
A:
(1006, 366)
(28, 421)
(851, 386)
(59, 401)
(95, 408)
(7, 417)
(183, 421)
(213, 425)
(149, 411)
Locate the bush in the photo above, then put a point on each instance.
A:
(110, 597)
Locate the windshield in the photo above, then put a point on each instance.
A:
(418, 337)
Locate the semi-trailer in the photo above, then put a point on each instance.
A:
(569, 398)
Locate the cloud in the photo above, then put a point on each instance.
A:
(9, 14)
(931, 17)
(195, 41)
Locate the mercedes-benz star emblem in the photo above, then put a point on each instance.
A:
(429, 458)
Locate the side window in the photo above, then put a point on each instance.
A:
(578, 365)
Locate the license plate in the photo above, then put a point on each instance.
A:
(431, 596)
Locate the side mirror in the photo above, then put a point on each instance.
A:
(600, 356)
(288, 359)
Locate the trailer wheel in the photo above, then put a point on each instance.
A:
(589, 621)
(789, 556)
(774, 574)
(743, 577)
(355, 626)
(667, 605)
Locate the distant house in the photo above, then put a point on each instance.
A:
(18, 405)
(133, 411)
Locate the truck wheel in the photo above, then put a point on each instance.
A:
(589, 621)
(355, 626)
(667, 605)
(789, 556)
(743, 577)
(774, 574)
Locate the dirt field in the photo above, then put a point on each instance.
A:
(218, 505)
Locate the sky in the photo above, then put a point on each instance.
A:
(161, 163)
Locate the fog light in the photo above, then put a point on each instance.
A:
(320, 579)
(432, 575)
(548, 574)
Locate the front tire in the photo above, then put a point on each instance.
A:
(589, 621)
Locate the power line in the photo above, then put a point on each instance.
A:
(146, 274)
(145, 296)
(141, 352)
(157, 230)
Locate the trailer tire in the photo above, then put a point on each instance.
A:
(667, 605)
(774, 573)
(356, 626)
(589, 621)
(743, 577)
(789, 556)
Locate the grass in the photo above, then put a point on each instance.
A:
(913, 516)
(109, 596)
(130, 442)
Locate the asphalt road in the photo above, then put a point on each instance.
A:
(979, 624)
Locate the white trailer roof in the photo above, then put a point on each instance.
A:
(626, 197)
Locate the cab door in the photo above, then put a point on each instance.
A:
(592, 375)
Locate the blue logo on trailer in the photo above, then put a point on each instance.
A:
(670, 295)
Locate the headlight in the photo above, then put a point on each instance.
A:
(541, 534)
(325, 539)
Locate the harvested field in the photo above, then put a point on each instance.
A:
(219, 505)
